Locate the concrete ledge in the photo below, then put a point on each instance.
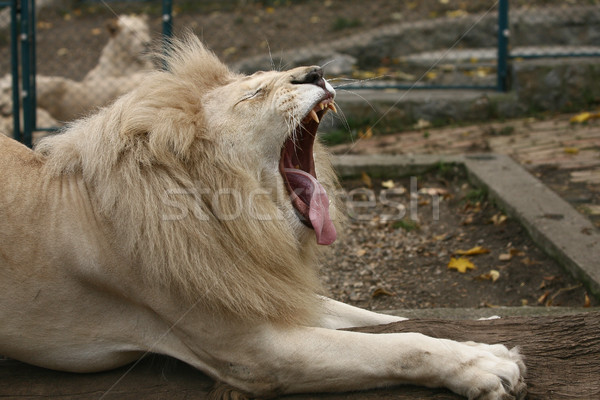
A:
(477, 313)
(551, 222)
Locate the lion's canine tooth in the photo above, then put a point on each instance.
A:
(332, 107)
(314, 116)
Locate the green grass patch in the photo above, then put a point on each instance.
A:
(342, 23)
(406, 224)
(476, 195)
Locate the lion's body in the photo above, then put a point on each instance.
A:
(162, 223)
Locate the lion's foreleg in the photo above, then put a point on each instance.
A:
(276, 360)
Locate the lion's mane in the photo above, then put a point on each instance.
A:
(153, 141)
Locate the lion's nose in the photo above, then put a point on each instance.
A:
(312, 75)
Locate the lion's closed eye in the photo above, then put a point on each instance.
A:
(252, 94)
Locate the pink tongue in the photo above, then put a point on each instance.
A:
(310, 191)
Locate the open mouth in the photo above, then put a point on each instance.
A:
(297, 167)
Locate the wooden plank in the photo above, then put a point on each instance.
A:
(562, 357)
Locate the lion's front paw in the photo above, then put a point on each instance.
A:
(491, 372)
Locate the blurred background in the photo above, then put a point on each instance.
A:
(88, 52)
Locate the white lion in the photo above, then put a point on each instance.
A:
(184, 219)
(127, 50)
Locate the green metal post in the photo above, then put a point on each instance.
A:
(33, 66)
(14, 68)
(27, 7)
(167, 18)
(503, 37)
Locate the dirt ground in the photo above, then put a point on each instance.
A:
(391, 263)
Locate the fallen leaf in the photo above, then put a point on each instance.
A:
(504, 257)
(473, 251)
(366, 179)
(493, 276)
(433, 191)
(383, 71)
(96, 31)
(529, 261)
(364, 74)
(587, 303)
(461, 264)
(366, 134)
(361, 252)
(382, 292)
(498, 219)
(456, 13)
(44, 25)
(422, 123)
(542, 298)
(516, 253)
(270, 10)
(571, 150)
(584, 117)
(444, 236)
(388, 184)
(431, 75)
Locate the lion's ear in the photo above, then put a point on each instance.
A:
(173, 134)
(113, 27)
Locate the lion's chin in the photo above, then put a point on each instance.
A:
(297, 167)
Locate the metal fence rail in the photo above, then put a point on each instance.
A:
(80, 65)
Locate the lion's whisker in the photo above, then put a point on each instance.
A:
(361, 97)
(360, 81)
(327, 63)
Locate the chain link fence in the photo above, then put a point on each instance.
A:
(86, 53)
(558, 29)
(89, 52)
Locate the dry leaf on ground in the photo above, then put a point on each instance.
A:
(366, 134)
(584, 117)
(493, 276)
(461, 264)
(571, 150)
(498, 219)
(366, 179)
(505, 257)
(388, 184)
(382, 292)
(473, 251)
